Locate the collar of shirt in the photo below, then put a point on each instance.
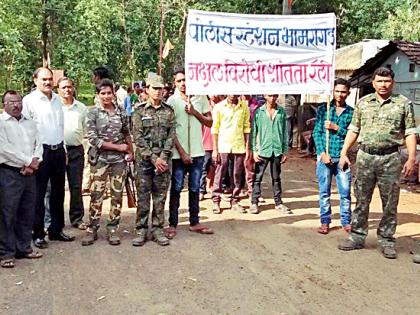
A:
(149, 104)
(234, 107)
(73, 105)
(38, 94)
(346, 107)
(375, 98)
(177, 94)
(117, 108)
(5, 116)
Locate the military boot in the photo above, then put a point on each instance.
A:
(140, 238)
(160, 238)
(113, 239)
(388, 251)
(91, 236)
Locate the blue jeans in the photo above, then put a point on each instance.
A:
(177, 183)
(343, 180)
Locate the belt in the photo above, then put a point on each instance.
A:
(378, 151)
(12, 168)
(53, 147)
(71, 147)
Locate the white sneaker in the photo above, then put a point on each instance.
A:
(254, 209)
(283, 209)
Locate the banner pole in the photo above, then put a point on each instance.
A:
(327, 132)
(189, 128)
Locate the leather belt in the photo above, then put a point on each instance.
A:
(12, 168)
(72, 147)
(54, 146)
(378, 151)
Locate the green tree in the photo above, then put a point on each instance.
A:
(404, 23)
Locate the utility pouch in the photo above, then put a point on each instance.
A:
(93, 155)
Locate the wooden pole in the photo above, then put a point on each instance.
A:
(327, 132)
(44, 34)
(161, 39)
(189, 128)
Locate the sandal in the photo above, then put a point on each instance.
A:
(324, 229)
(7, 263)
(201, 229)
(170, 232)
(32, 255)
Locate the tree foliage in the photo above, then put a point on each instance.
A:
(124, 34)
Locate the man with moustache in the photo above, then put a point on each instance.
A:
(75, 114)
(45, 108)
(382, 122)
(20, 155)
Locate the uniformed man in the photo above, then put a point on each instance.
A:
(154, 134)
(381, 122)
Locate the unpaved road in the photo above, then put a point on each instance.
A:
(254, 264)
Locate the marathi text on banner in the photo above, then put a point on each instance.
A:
(247, 54)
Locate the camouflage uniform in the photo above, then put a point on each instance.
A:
(154, 133)
(380, 128)
(103, 127)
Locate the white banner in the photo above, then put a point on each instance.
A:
(259, 54)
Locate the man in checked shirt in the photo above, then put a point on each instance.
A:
(327, 164)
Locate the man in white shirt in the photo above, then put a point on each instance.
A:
(20, 155)
(45, 108)
(75, 114)
(121, 94)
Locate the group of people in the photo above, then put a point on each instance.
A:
(233, 137)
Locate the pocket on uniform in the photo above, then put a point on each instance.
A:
(147, 122)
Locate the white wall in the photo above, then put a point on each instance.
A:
(406, 82)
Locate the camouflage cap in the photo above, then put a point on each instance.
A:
(155, 81)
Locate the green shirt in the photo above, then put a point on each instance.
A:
(383, 125)
(134, 98)
(269, 136)
(188, 127)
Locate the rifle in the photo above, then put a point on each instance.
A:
(130, 186)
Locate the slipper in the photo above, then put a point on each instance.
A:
(201, 229)
(170, 232)
(32, 255)
(7, 263)
(324, 229)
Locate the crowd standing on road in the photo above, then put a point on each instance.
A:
(226, 140)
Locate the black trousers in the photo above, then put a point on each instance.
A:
(74, 169)
(17, 200)
(275, 171)
(53, 168)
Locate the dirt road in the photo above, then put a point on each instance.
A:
(254, 264)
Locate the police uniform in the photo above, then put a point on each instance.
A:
(154, 134)
(382, 128)
(104, 127)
